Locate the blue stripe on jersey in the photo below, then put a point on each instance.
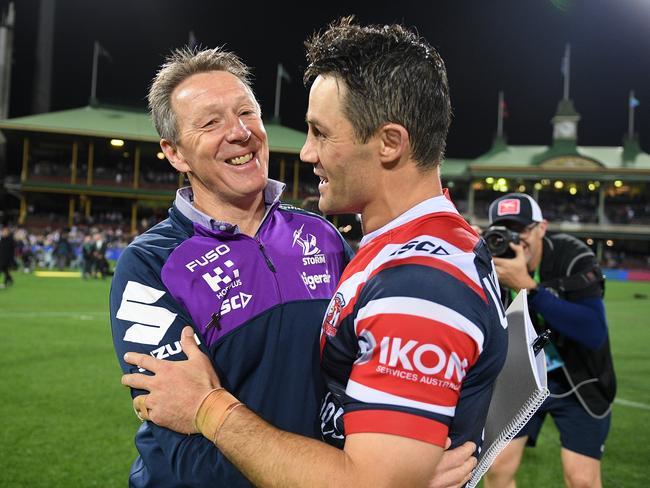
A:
(427, 283)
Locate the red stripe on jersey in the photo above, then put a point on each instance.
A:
(396, 423)
(437, 263)
(425, 370)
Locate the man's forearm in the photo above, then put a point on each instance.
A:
(269, 457)
(186, 396)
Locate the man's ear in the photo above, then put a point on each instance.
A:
(173, 154)
(543, 225)
(394, 143)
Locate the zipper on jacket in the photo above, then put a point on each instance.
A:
(269, 263)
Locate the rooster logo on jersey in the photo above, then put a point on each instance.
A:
(330, 324)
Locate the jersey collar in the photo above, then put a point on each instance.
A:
(440, 203)
(185, 198)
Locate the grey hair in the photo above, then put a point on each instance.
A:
(180, 65)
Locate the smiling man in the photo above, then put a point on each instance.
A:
(229, 262)
(414, 335)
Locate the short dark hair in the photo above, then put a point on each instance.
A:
(392, 75)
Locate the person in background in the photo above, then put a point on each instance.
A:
(99, 261)
(63, 251)
(413, 338)
(565, 294)
(7, 255)
(87, 257)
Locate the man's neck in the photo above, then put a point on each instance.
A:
(397, 192)
(246, 213)
(534, 263)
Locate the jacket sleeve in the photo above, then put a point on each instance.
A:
(145, 318)
(582, 321)
(579, 314)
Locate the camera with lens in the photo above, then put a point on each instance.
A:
(498, 239)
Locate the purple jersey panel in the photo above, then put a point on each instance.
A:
(225, 279)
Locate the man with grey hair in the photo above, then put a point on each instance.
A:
(414, 335)
(252, 276)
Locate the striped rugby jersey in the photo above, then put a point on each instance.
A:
(415, 334)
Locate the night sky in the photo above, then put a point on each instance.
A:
(488, 45)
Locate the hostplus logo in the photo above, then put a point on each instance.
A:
(310, 251)
(222, 277)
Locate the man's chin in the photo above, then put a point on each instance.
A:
(323, 205)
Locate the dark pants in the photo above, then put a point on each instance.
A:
(8, 279)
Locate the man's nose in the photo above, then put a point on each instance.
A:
(238, 132)
(308, 152)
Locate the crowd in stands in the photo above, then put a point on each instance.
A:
(581, 210)
(87, 249)
(92, 249)
(92, 242)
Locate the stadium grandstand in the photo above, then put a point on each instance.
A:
(102, 165)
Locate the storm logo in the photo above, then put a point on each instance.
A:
(330, 323)
(307, 243)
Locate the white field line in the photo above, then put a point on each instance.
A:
(629, 403)
(81, 315)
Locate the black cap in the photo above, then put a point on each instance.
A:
(515, 207)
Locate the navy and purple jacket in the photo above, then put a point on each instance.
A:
(256, 304)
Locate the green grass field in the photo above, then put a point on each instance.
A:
(67, 421)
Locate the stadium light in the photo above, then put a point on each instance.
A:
(160, 155)
(559, 184)
(117, 142)
(489, 180)
(618, 183)
(590, 241)
(591, 186)
(573, 190)
(609, 242)
(538, 186)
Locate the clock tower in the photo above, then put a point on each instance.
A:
(565, 122)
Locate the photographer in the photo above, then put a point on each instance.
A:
(565, 290)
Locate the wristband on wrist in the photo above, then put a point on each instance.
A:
(197, 421)
(213, 411)
(223, 418)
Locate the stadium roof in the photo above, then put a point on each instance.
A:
(562, 159)
(610, 157)
(128, 124)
